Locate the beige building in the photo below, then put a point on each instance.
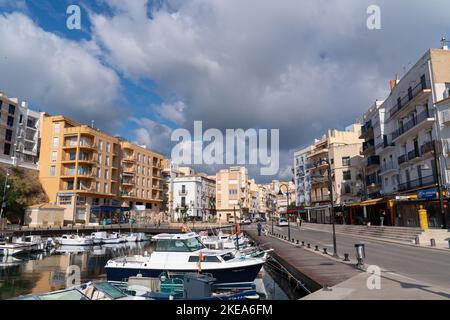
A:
(44, 215)
(232, 192)
(341, 149)
(97, 177)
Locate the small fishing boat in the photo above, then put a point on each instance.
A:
(224, 241)
(74, 240)
(114, 238)
(132, 237)
(99, 236)
(142, 237)
(184, 253)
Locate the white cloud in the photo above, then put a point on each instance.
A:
(55, 74)
(173, 112)
(153, 135)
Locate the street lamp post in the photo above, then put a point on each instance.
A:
(330, 188)
(287, 207)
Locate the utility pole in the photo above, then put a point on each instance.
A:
(439, 186)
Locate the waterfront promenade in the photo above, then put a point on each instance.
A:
(352, 282)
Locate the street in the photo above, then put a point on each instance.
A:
(423, 264)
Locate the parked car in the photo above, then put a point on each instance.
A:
(247, 221)
(283, 222)
(262, 219)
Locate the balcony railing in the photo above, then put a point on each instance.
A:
(385, 143)
(418, 183)
(412, 93)
(368, 144)
(427, 147)
(366, 127)
(402, 159)
(413, 154)
(388, 166)
(410, 124)
(373, 160)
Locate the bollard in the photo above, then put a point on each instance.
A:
(346, 257)
(308, 246)
(416, 240)
(298, 242)
(433, 242)
(317, 248)
(360, 254)
(449, 244)
(325, 251)
(303, 243)
(293, 240)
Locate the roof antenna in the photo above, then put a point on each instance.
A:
(92, 124)
(444, 43)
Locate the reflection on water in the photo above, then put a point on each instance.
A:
(45, 272)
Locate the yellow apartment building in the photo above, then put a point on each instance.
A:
(232, 192)
(96, 177)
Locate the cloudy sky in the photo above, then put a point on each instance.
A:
(142, 68)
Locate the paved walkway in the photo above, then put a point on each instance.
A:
(391, 287)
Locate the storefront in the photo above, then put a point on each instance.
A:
(407, 209)
(370, 212)
(109, 215)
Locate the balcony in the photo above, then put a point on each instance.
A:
(373, 161)
(129, 159)
(366, 129)
(413, 155)
(368, 146)
(124, 193)
(318, 152)
(417, 95)
(418, 183)
(413, 126)
(385, 144)
(182, 192)
(402, 159)
(387, 167)
(427, 147)
(320, 199)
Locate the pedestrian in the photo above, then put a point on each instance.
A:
(298, 222)
(159, 224)
(382, 215)
(259, 226)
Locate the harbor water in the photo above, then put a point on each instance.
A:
(43, 272)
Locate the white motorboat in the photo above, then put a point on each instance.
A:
(114, 238)
(74, 240)
(182, 253)
(12, 249)
(99, 237)
(224, 241)
(132, 237)
(73, 249)
(35, 242)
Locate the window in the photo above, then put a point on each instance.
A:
(105, 188)
(52, 171)
(108, 147)
(81, 200)
(106, 174)
(347, 175)
(69, 185)
(65, 200)
(72, 155)
(106, 160)
(7, 149)
(56, 127)
(345, 161)
(8, 135)
(99, 158)
(232, 191)
(55, 142)
(183, 201)
(21, 119)
(1, 104)
(10, 121)
(100, 145)
(54, 156)
(331, 161)
(11, 109)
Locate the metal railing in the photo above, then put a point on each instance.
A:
(410, 124)
(412, 93)
(417, 183)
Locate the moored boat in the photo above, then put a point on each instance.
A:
(184, 253)
(74, 240)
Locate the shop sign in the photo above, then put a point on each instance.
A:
(401, 197)
(427, 194)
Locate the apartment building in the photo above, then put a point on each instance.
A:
(19, 133)
(232, 193)
(302, 177)
(370, 168)
(194, 198)
(415, 113)
(338, 151)
(97, 177)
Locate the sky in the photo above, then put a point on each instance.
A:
(142, 68)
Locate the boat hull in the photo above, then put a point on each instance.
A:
(228, 275)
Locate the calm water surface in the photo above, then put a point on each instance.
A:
(45, 272)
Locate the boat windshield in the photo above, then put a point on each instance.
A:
(227, 256)
(179, 245)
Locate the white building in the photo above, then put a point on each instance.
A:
(194, 197)
(19, 134)
(302, 177)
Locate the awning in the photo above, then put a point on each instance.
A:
(369, 202)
